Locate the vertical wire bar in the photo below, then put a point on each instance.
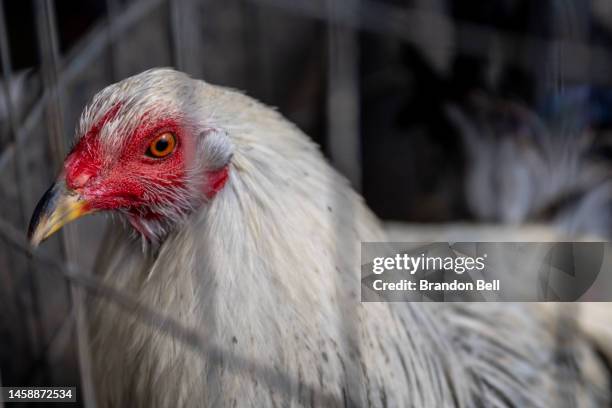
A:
(343, 95)
(251, 46)
(49, 55)
(344, 148)
(176, 28)
(20, 172)
(50, 60)
(7, 73)
(112, 11)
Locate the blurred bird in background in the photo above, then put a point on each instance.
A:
(522, 169)
(251, 237)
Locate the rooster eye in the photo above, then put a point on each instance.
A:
(162, 145)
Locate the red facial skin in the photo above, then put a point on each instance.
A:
(135, 182)
(84, 160)
(216, 181)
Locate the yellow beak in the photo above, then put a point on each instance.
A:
(55, 209)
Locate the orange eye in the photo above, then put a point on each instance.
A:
(162, 145)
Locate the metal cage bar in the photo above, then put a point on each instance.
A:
(22, 194)
(343, 97)
(113, 10)
(344, 143)
(50, 67)
(176, 21)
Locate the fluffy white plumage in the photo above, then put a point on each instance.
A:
(268, 271)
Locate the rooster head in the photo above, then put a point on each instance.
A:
(148, 147)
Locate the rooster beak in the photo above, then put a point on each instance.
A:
(55, 209)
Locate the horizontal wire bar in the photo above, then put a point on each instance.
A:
(213, 354)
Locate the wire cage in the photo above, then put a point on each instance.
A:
(305, 57)
(43, 293)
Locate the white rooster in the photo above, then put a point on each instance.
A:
(253, 239)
